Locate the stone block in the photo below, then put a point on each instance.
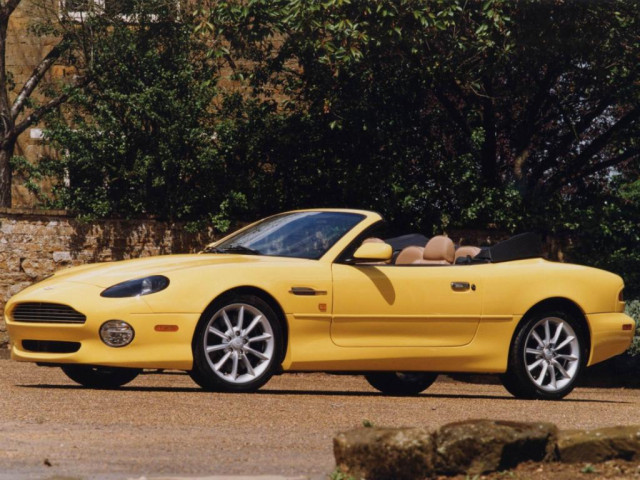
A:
(12, 262)
(475, 447)
(16, 288)
(385, 453)
(36, 267)
(62, 257)
(599, 445)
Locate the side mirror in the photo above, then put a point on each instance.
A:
(373, 252)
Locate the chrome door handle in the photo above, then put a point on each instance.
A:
(460, 286)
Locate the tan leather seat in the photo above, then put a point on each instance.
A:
(409, 255)
(438, 251)
(467, 251)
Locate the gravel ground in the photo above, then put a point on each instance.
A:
(162, 424)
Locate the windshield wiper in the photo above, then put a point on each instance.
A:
(234, 249)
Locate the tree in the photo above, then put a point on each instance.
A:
(448, 111)
(14, 121)
(76, 39)
(141, 138)
(521, 115)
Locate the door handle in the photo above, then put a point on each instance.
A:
(306, 291)
(461, 286)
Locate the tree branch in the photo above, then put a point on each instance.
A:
(41, 111)
(453, 112)
(599, 143)
(612, 162)
(574, 133)
(574, 165)
(568, 138)
(36, 76)
(488, 154)
(527, 129)
(9, 7)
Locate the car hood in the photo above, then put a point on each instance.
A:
(108, 274)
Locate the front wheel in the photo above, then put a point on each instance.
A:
(237, 345)
(100, 377)
(401, 383)
(546, 358)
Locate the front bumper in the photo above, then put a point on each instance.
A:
(149, 349)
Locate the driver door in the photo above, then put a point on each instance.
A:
(405, 305)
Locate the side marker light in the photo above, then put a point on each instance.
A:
(166, 328)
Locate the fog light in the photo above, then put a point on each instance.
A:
(116, 333)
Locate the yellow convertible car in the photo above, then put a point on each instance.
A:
(315, 290)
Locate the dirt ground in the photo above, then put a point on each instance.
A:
(162, 424)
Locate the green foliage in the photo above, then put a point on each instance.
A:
(605, 226)
(338, 474)
(442, 114)
(367, 423)
(32, 173)
(141, 138)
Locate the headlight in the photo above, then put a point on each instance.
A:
(140, 286)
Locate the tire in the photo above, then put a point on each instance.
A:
(401, 383)
(100, 377)
(547, 356)
(237, 345)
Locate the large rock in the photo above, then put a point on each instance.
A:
(479, 446)
(599, 445)
(385, 453)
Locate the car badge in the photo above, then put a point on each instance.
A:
(48, 288)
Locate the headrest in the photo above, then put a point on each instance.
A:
(439, 248)
(409, 255)
(467, 251)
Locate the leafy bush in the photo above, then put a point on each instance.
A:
(633, 310)
(142, 137)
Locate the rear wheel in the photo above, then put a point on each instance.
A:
(238, 345)
(100, 377)
(401, 383)
(547, 356)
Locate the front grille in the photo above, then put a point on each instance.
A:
(50, 346)
(47, 313)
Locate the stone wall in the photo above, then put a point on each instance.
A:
(35, 243)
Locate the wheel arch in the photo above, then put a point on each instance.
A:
(263, 295)
(564, 305)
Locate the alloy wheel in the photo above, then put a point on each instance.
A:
(239, 343)
(552, 354)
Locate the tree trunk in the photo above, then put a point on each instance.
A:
(7, 125)
(6, 152)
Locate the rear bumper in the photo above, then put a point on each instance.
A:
(608, 336)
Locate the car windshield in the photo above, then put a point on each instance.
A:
(299, 235)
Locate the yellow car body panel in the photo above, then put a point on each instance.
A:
(373, 317)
